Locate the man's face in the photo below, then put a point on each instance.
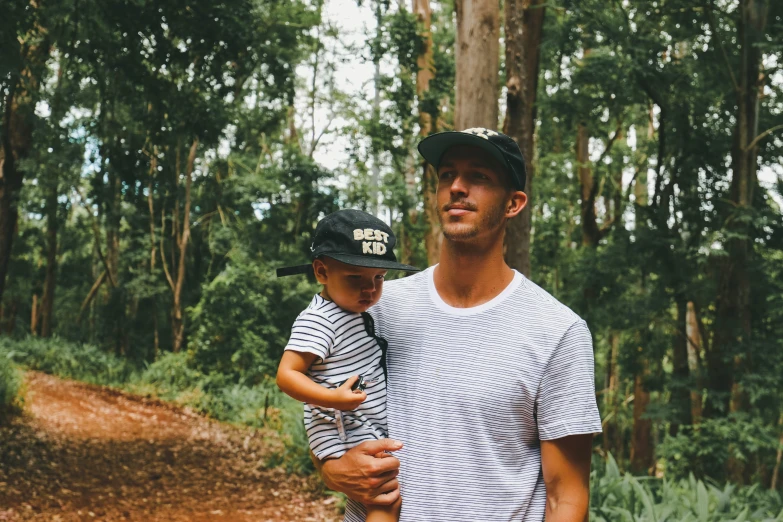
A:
(474, 194)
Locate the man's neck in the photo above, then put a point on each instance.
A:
(471, 275)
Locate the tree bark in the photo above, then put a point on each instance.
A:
(611, 430)
(427, 125)
(153, 250)
(641, 435)
(733, 315)
(34, 316)
(641, 443)
(694, 361)
(17, 139)
(477, 58)
(177, 320)
(524, 23)
(47, 302)
(680, 389)
(778, 458)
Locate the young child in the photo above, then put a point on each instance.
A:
(334, 362)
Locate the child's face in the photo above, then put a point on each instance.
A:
(352, 288)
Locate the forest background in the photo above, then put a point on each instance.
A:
(160, 159)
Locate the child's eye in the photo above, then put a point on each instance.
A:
(380, 276)
(354, 277)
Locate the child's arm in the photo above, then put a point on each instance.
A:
(292, 379)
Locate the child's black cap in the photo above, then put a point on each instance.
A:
(355, 238)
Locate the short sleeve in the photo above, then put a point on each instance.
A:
(312, 333)
(566, 402)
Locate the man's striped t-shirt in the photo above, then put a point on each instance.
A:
(344, 349)
(473, 391)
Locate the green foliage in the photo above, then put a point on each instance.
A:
(240, 326)
(703, 449)
(10, 386)
(622, 497)
(82, 362)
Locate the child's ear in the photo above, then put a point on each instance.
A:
(319, 268)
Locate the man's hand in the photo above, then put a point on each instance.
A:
(366, 473)
(566, 466)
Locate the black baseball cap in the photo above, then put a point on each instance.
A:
(355, 238)
(501, 147)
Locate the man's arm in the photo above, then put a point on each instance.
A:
(366, 473)
(566, 466)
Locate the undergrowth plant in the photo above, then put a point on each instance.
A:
(10, 386)
(618, 497)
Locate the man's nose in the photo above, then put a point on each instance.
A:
(459, 185)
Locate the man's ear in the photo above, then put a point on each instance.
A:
(516, 203)
(320, 270)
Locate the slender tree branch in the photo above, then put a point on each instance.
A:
(761, 136)
(91, 295)
(162, 250)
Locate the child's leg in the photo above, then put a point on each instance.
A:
(384, 513)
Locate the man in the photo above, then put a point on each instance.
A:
(491, 403)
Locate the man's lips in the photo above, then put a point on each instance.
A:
(458, 209)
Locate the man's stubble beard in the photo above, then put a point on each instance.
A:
(465, 232)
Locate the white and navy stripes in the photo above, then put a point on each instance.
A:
(473, 391)
(344, 349)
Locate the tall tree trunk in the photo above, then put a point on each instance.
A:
(34, 316)
(17, 140)
(641, 441)
(611, 392)
(694, 361)
(427, 125)
(182, 237)
(641, 432)
(778, 458)
(47, 303)
(375, 171)
(680, 389)
(153, 250)
(524, 23)
(733, 316)
(477, 58)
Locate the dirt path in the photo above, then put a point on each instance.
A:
(82, 452)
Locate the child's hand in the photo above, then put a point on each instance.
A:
(344, 398)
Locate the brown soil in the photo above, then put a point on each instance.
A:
(83, 452)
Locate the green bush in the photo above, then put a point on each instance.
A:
(704, 449)
(622, 497)
(10, 386)
(242, 322)
(82, 362)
